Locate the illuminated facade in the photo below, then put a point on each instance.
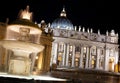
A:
(64, 49)
(73, 47)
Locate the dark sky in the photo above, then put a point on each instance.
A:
(96, 14)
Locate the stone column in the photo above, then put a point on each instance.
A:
(33, 60)
(1, 56)
(73, 56)
(9, 54)
(47, 58)
(5, 60)
(86, 63)
(64, 52)
(116, 53)
(116, 60)
(81, 58)
(97, 58)
(67, 54)
(90, 57)
(40, 61)
(106, 64)
(55, 50)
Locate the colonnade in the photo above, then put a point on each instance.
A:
(83, 56)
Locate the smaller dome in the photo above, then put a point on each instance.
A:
(62, 22)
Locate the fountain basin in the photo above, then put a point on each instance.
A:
(19, 56)
(19, 45)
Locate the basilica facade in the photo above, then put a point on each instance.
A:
(75, 47)
(58, 48)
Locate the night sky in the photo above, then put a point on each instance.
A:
(96, 14)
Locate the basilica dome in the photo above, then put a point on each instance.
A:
(62, 22)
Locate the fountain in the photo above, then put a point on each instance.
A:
(19, 48)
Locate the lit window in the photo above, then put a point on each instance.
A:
(93, 62)
(70, 48)
(59, 59)
(84, 50)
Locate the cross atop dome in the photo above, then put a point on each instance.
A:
(63, 12)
